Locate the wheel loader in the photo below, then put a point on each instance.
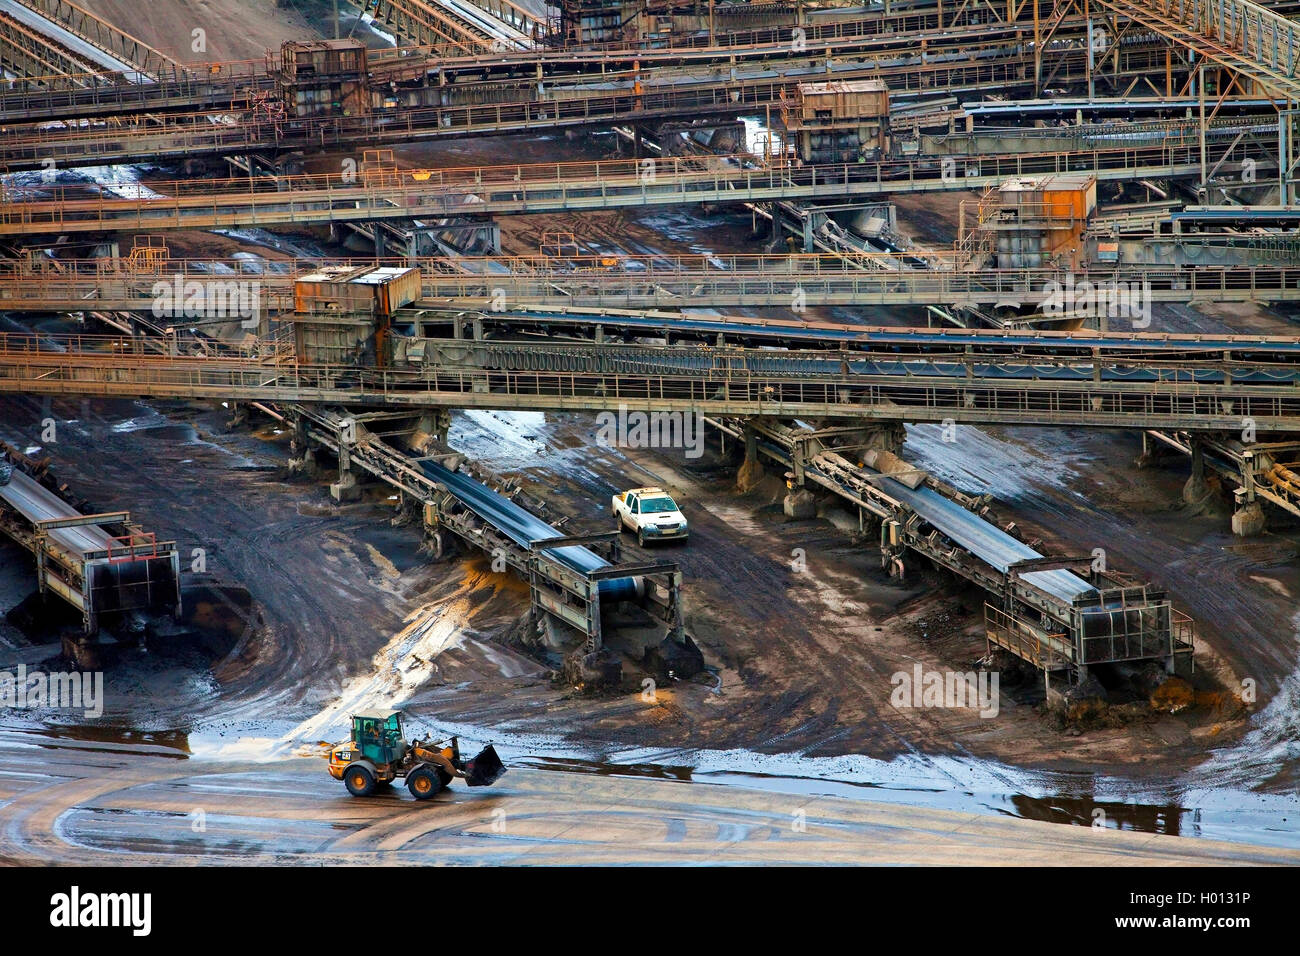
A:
(378, 754)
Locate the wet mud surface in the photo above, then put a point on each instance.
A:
(306, 611)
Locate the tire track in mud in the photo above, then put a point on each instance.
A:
(1238, 592)
(410, 661)
(808, 675)
(826, 644)
(132, 810)
(276, 540)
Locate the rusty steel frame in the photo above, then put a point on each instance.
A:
(510, 376)
(103, 35)
(194, 134)
(405, 194)
(648, 282)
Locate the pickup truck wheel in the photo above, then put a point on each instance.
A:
(359, 781)
(423, 783)
(640, 537)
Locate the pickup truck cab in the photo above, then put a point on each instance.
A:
(651, 514)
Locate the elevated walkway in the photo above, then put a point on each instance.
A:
(567, 187)
(1041, 384)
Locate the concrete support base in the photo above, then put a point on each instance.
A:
(442, 544)
(431, 430)
(800, 505)
(751, 472)
(1197, 489)
(680, 660)
(305, 466)
(886, 436)
(347, 488)
(1150, 454)
(1248, 520)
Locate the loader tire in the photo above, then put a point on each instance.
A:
(445, 778)
(423, 783)
(359, 781)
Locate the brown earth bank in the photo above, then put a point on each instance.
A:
(234, 29)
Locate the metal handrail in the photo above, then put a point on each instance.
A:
(673, 179)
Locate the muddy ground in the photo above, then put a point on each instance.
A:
(308, 608)
(803, 660)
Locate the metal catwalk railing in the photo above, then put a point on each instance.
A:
(496, 283)
(173, 135)
(217, 86)
(709, 380)
(200, 204)
(1045, 649)
(102, 35)
(548, 66)
(1134, 287)
(220, 86)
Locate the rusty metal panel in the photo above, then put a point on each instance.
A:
(323, 58)
(390, 287)
(331, 290)
(340, 343)
(842, 102)
(400, 289)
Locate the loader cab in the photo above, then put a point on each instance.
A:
(378, 736)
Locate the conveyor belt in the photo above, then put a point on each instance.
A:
(61, 35)
(983, 540)
(955, 338)
(524, 528)
(1269, 215)
(1125, 105)
(36, 503)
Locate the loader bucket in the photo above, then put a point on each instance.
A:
(484, 769)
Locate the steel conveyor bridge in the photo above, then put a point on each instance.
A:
(231, 85)
(567, 579)
(100, 564)
(628, 285)
(572, 187)
(1071, 380)
(645, 98)
(1056, 613)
